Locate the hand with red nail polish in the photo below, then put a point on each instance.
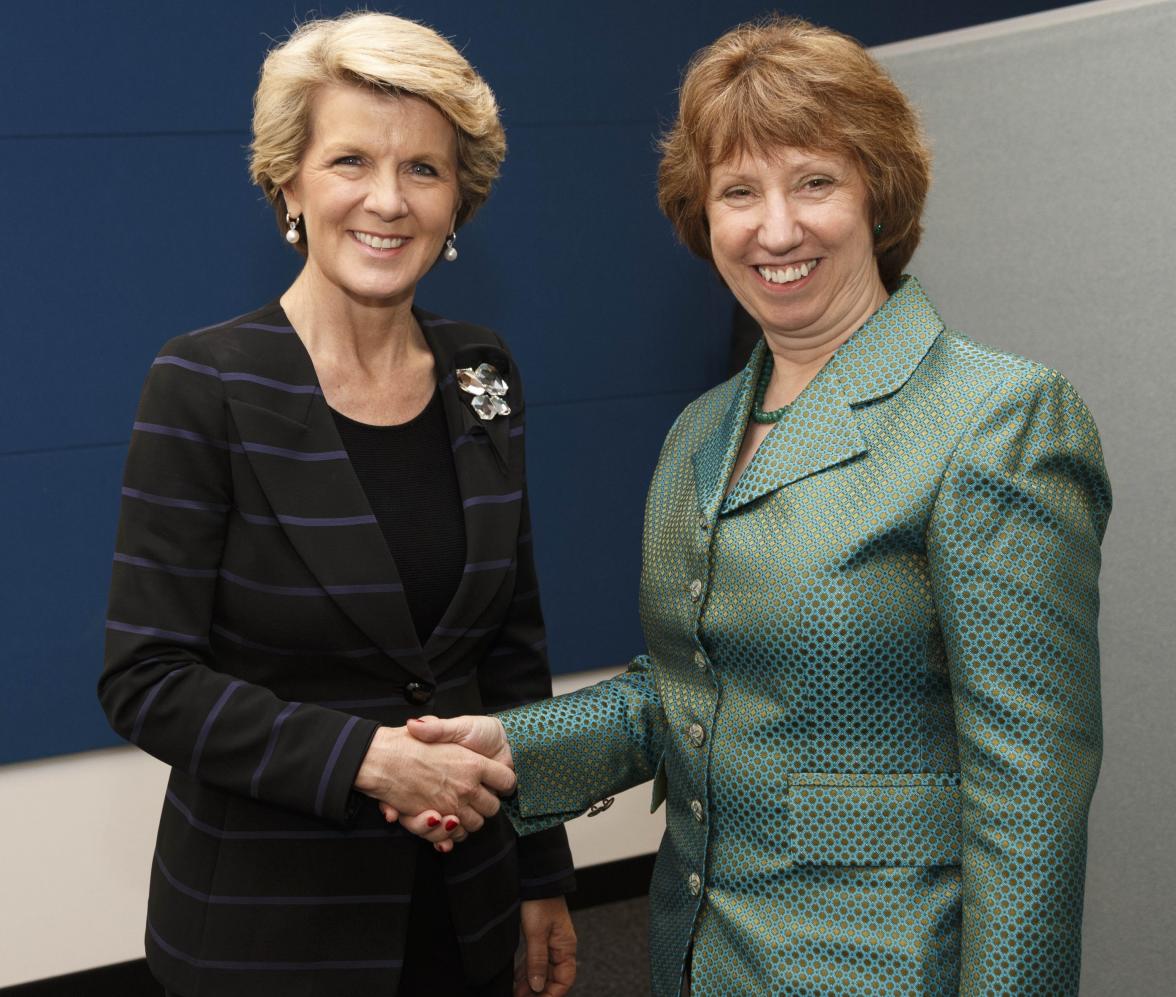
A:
(434, 828)
(418, 777)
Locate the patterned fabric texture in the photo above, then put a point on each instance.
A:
(870, 698)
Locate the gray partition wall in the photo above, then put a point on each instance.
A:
(1050, 233)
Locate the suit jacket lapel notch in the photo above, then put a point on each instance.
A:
(819, 430)
(822, 429)
(882, 355)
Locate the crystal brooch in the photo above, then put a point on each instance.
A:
(488, 388)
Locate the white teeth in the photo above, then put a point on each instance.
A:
(788, 274)
(376, 242)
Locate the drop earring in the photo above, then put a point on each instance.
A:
(878, 229)
(292, 235)
(450, 253)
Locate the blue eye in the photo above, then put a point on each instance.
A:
(349, 161)
(423, 170)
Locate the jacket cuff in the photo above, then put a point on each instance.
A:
(545, 865)
(338, 799)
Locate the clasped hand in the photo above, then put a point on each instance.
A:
(440, 778)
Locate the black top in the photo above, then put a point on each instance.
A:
(408, 476)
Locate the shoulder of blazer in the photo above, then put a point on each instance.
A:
(235, 334)
(242, 349)
(257, 358)
(455, 333)
(463, 344)
(977, 372)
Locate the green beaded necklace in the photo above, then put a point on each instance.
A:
(761, 389)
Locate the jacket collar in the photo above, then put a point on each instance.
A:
(882, 355)
(821, 429)
(295, 417)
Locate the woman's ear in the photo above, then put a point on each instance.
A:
(290, 196)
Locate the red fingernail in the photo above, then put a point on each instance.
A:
(434, 821)
(450, 824)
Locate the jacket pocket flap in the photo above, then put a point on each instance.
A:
(870, 818)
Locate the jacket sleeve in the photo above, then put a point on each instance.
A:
(1013, 549)
(575, 749)
(162, 688)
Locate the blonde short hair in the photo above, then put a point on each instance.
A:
(389, 54)
(785, 82)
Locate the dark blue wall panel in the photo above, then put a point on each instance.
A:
(129, 218)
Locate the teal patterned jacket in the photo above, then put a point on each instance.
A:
(871, 695)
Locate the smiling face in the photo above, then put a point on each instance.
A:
(790, 233)
(377, 191)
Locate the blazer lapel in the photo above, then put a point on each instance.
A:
(818, 431)
(821, 429)
(714, 460)
(297, 456)
(489, 477)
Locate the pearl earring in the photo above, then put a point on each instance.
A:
(450, 253)
(292, 235)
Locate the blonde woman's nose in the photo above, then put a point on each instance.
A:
(386, 196)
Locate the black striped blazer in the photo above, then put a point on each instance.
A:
(257, 636)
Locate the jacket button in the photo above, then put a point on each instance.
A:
(418, 693)
(700, 661)
(703, 523)
(696, 734)
(694, 884)
(695, 590)
(696, 810)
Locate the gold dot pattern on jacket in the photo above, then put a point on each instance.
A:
(871, 690)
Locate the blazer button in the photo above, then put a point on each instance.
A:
(696, 810)
(695, 590)
(694, 884)
(700, 661)
(696, 734)
(418, 693)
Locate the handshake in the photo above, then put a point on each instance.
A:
(440, 778)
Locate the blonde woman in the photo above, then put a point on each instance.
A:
(325, 532)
